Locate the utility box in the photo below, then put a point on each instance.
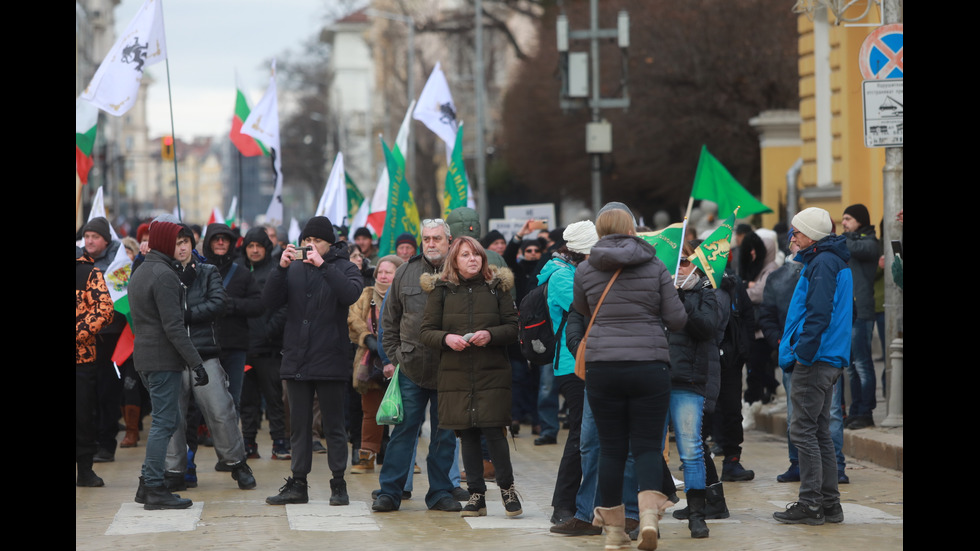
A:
(578, 75)
(598, 137)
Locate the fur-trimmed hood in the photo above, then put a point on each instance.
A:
(501, 278)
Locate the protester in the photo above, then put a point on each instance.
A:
(862, 243)
(406, 246)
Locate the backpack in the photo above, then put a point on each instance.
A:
(740, 331)
(539, 342)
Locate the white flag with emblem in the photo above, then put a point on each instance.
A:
(116, 83)
(436, 109)
(333, 202)
(263, 125)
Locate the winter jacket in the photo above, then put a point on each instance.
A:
(775, 301)
(363, 321)
(157, 301)
(559, 274)
(244, 295)
(118, 323)
(694, 349)
(818, 321)
(865, 251)
(205, 302)
(475, 384)
(629, 326)
(93, 308)
(401, 320)
(316, 346)
(264, 331)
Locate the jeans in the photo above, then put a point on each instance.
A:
(523, 392)
(811, 395)
(216, 405)
(686, 412)
(164, 389)
(630, 402)
(234, 363)
(586, 499)
(398, 464)
(548, 401)
(861, 372)
(836, 420)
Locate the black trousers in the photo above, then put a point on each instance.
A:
(262, 381)
(472, 453)
(332, 413)
(86, 404)
(570, 468)
(109, 391)
(726, 421)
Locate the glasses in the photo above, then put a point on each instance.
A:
(685, 261)
(532, 251)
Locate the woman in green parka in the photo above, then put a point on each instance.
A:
(470, 316)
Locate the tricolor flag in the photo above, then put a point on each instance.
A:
(402, 215)
(116, 83)
(263, 125)
(379, 201)
(247, 145)
(117, 280)
(86, 122)
(232, 219)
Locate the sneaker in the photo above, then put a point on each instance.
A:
(294, 491)
(460, 494)
(476, 506)
(243, 474)
(576, 527)
(88, 479)
(252, 450)
(318, 447)
(281, 451)
(384, 504)
(792, 474)
(834, 513)
(512, 503)
(223, 467)
(798, 513)
(545, 440)
(446, 503)
(338, 492)
(732, 471)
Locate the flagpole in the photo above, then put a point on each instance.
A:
(241, 187)
(677, 269)
(170, 98)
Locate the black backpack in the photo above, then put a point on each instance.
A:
(538, 340)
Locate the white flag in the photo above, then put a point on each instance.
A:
(379, 201)
(333, 202)
(116, 83)
(360, 219)
(436, 109)
(294, 231)
(263, 125)
(98, 209)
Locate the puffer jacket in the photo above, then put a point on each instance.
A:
(475, 384)
(630, 323)
(865, 251)
(818, 321)
(316, 346)
(244, 295)
(694, 349)
(206, 301)
(559, 274)
(402, 317)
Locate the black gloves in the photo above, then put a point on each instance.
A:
(200, 375)
(371, 342)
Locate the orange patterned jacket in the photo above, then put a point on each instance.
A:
(93, 308)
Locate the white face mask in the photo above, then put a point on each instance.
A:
(690, 282)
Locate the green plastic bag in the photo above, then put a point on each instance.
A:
(391, 411)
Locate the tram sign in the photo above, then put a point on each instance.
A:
(884, 113)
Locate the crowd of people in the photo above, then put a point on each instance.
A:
(228, 329)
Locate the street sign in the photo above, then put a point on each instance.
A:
(884, 113)
(882, 54)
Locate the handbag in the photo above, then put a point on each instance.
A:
(580, 353)
(391, 411)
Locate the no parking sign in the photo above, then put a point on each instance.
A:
(883, 53)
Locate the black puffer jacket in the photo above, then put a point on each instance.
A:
(316, 344)
(694, 349)
(264, 331)
(244, 295)
(205, 303)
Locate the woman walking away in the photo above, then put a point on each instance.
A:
(470, 316)
(627, 376)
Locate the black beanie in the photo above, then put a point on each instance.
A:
(100, 226)
(320, 227)
(860, 213)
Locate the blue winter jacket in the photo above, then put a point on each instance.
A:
(559, 273)
(818, 322)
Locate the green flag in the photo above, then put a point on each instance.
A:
(711, 256)
(354, 196)
(402, 215)
(668, 242)
(454, 194)
(714, 183)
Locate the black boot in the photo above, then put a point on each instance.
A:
(732, 470)
(695, 520)
(338, 492)
(174, 482)
(243, 474)
(294, 491)
(158, 497)
(716, 507)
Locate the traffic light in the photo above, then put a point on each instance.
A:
(167, 148)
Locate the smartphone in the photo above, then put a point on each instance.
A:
(467, 337)
(540, 224)
(897, 248)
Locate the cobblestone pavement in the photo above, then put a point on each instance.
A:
(224, 517)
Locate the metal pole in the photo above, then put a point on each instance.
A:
(480, 85)
(596, 157)
(410, 158)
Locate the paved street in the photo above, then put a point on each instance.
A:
(224, 517)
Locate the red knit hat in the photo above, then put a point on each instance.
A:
(163, 237)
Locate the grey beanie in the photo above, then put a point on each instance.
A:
(614, 205)
(100, 226)
(814, 223)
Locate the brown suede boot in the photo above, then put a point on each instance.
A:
(365, 464)
(613, 521)
(652, 506)
(131, 414)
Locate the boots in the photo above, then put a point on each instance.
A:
(366, 463)
(613, 521)
(652, 506)
(715, 507)
(733, 471)
(158, 497)
(695, 520)
(242, 473)
(131, 414)
(489, 472)
(338, 492)
(294, 491)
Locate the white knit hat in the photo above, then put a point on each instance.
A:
(580, 236)
(814, 223)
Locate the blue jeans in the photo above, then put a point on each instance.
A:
(523, 392)
(687, 412)
(585, 499)
(861, 372)
(234, 363)
(398, 464)
(811, 395)
(548, 401)
(836, 420)
(164, 389)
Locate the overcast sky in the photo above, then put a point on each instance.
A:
(207, 41)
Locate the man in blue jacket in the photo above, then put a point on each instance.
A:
(816, 345)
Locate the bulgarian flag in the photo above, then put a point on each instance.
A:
(232, 219)
(247, 145)
(117, 280)
(86, 122)
(379, 201)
